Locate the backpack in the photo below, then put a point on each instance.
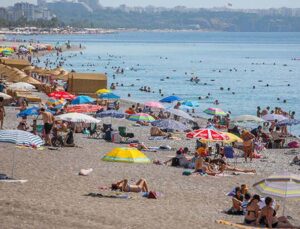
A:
(175, 161)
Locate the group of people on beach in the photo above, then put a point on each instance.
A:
(257, 210)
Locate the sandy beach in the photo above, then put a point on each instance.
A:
(54, 196)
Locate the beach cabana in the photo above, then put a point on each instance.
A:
(86, 83)
(125, 154)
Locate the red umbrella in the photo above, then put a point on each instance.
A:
(208, 135)
(83, 108)
(61, 95)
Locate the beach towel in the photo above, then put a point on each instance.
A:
(236, 225)
(157, 138)
(294, 144)
(13, 181)
(112, 195)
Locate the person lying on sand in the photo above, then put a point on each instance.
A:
(140, 186)
(202, 167)
(223, 166)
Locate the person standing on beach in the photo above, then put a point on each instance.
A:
(48, 120)
(247, 144)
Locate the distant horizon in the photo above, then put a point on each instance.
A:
(231, 4)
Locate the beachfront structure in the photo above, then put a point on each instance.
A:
(86, 83)
(19, 64)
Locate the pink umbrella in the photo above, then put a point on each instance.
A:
(154, 104)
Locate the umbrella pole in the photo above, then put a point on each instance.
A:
(13, 165)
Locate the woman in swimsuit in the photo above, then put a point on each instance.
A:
(252, 211)
(140, 186)
(268, 217)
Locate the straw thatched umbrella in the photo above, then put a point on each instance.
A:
(30, 80)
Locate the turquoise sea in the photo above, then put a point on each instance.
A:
(237, 61)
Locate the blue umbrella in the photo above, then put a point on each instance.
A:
(109, 96)
(110, 113)
(29, 112)
(190, 103)
(82, 99)
(288, 122)
(168, 124)
(170, 99)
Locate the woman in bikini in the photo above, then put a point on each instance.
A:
(268, 217)
(252, 211)
(140, 186)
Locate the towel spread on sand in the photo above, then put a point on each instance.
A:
(236, 225)
(13, 181)
(112, 195)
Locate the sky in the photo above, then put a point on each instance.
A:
(241, 4)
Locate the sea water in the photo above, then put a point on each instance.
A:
(167, 60)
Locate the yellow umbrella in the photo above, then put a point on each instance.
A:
(232, 138)
(102, 91)
(126, 154)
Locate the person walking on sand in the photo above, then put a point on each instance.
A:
(48, 120)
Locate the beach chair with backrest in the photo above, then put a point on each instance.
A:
(230, 154)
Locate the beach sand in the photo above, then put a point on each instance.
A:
(54, 196)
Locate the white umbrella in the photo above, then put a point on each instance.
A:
(21, 86)
(180, 113)
(247, 118)
(77, 117)
(273, 117)
(5, 96)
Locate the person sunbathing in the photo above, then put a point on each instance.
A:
(237, 201)
(223, 166)
(202, 167)
(140, 186)
(252, 211)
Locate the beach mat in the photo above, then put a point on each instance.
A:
(235, 225)
(113, 195)
(13, 181)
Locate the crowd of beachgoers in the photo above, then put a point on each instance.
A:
(221, 149)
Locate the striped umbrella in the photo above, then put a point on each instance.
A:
(214, 111)
(20, 137)
(288, 122)
(141, 117)
(208, 135)
(110, 113)
(280, 185)
(168, 124)
(273, 117)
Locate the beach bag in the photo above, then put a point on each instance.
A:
(175, 162)
(186, 173)
(152, 195)
(294, 144)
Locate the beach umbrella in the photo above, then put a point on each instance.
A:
(108, 96)
(110, 113)
(83, 108)
(232, 138)
(247, 118)
(77, 118)
(82, 99)
(286, 122)
(154, 104)
(21, 86)
(125, 154)
(5, 96)
(102, 91)
(280, 185)
(273, 117)
(169, 125)
(180, 113)
(214, 111)
(141, 117)
(30, 112)
(61, 95)
(170, 99)
(208, 135)
(20, 137)
(55, 102)
(190, 103)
